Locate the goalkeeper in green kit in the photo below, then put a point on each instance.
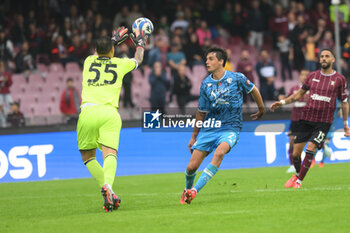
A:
(99, 122)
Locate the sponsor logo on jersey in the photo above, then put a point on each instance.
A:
(320, 98)
(316, 80)
(213, 94)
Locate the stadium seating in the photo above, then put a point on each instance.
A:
(40, 95)
(56, 67)
(42, 68)
(72, 67)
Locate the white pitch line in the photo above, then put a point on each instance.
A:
(179, 193)
(153, 194)
(291, 189)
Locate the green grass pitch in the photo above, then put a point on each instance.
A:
(242, 200)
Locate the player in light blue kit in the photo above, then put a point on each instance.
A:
(221, 97)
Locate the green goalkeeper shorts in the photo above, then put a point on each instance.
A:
(98, 125)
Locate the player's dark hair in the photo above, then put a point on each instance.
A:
(70, 80)
(15, 103)
(103, 45)
(331, 51)
(220, 53)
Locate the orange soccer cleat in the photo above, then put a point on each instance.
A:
(296, 185)
(190, 195)
(116, 201)
(107, 195)
(291, 181)
(312, 163)
(183, 197)
(321, 164)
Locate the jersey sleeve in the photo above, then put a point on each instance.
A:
(128, 65)
(88, 61)
(307, 83)
(343, 93)
(203, 102)
(245, 83)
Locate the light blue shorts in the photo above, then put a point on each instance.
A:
(210, 140)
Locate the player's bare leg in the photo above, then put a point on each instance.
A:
(219, 154)
(196, 160)
(297, 150)
(111, 201)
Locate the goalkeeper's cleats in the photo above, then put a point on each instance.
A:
(116, 201)
(107, 195)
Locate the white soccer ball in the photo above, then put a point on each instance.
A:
(144, 25)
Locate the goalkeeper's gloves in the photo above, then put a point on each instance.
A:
(139, 38)
(119, 35)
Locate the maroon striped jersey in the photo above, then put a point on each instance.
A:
(324, 90)
(298, 105)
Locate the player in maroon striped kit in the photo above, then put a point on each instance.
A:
(325, 86)
(295, 117)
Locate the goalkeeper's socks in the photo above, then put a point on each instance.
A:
(189, 179)
(96, 170)
(109, 168)
(207, 174)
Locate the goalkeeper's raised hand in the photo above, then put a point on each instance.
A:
(139, 38)
(119, 35)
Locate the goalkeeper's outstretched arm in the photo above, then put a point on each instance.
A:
(139, 38)
(139, 55)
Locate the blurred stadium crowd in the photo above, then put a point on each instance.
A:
(43, 45)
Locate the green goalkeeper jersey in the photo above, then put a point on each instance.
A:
(103, 79)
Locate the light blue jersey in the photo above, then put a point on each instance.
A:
(223, 100)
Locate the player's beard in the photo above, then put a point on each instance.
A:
(325, 66)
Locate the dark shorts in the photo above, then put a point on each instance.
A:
(293, 128)
(314, 132)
